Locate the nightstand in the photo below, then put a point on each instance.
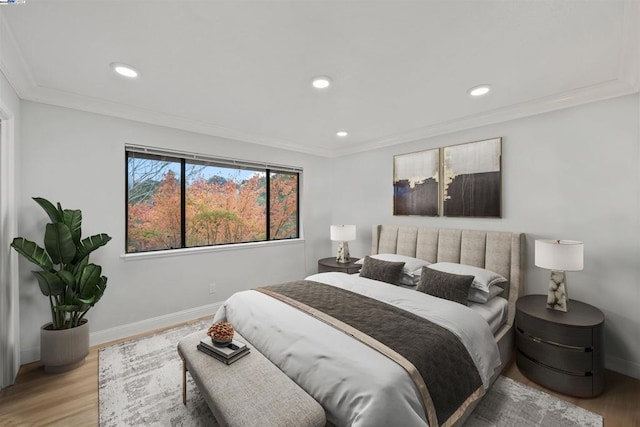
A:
(330, 264)
(561, 351)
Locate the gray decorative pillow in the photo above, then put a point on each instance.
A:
(382, 271)
(453, 287)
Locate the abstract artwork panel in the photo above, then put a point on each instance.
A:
(416, 179)
(472, 179)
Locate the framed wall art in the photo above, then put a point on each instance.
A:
(471, 179)
(416, 178)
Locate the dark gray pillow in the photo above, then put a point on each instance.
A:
(383, 271)
(453, 287)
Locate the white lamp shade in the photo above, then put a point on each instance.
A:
(559, 255)
(343, 233)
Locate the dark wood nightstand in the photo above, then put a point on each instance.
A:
(561, 351)
(330, 264)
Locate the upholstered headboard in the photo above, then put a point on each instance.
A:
(497, 251)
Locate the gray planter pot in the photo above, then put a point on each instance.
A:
(64, 349)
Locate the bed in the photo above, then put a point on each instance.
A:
(363, 386)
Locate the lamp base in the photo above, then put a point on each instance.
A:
(343, 252)
(557, 297)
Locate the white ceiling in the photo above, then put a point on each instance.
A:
(242, 69)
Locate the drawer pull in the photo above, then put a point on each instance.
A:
(575, 374)
(539, 340)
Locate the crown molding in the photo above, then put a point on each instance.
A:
(597, 92)
(628, 82)
(629, 67)
(133, 113)
(12, 63)
(17, 72)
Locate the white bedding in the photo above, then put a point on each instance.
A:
(355, 384)
(493, 311)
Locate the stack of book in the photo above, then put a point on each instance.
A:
(227, 354)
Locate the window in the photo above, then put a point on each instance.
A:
(177, 200)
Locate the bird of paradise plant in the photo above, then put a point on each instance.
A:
(72, 284)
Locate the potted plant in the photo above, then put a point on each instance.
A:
(72, 284)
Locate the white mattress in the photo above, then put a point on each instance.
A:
(494, 312)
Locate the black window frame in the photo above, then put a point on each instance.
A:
(183, 159)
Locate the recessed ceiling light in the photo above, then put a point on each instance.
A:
(125, 70)
(321, 82)
(342, 133)
(479, 90)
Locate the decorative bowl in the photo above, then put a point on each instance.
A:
(221, 343)
(221, 333)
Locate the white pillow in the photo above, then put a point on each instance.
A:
(482, 297)
(482, 278)
(410, 264)
(411, 279)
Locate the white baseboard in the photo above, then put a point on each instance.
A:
(147, 325)
(29, 355)
(625, 367)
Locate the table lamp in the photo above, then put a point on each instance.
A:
(559, 256)
(343, 234)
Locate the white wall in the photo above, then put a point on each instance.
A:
(570, 174)
(78, 159)
(9, 302)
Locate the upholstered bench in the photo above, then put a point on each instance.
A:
(250, 392)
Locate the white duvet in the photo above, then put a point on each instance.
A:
(355, 384)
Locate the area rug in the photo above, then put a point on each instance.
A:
(140, 384)
(510, 403)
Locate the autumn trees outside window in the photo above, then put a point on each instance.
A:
(180, 202)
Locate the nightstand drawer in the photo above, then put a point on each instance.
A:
(563, 351)
(324, 269)
(348, 270)
(330, 264)
(575, 385)
(576, 360)
(554, 332)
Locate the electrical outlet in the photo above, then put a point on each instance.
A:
(212, 288)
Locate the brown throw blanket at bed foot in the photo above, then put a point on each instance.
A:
(437, 361)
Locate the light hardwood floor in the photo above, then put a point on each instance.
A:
(71, 398)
